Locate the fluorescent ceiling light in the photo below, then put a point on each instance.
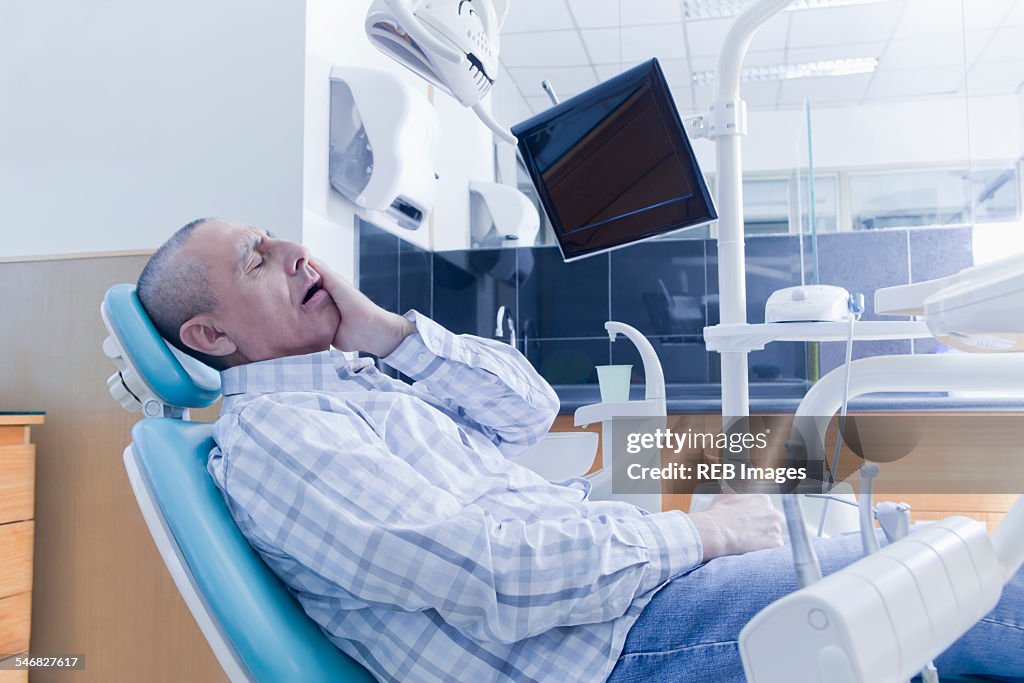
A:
(783, 72)
(719, 9)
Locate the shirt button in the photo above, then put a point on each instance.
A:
(422, 358)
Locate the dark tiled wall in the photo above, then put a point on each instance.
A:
(668, 289)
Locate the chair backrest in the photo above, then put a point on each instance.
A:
(237, 599)
(149, 365)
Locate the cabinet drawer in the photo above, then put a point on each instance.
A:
(15, 622)
(19, 676)
(13, 434)
(15, 560)
(17, 482)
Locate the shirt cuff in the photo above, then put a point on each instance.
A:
(673, 543)
(422, 354)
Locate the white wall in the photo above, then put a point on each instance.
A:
(120, 120)
(335, 36)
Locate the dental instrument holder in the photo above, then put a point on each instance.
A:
(649, 409)
(863, 623)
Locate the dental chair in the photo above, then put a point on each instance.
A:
(257, 630)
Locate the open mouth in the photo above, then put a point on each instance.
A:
(311, 292)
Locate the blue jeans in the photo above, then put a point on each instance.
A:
(688, 631)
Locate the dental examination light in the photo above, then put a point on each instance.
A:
(453, 44)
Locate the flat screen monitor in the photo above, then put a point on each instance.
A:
(613, 165)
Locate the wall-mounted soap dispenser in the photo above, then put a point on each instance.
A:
(383, 144)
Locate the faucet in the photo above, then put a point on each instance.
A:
(504, 316)
(646, 415)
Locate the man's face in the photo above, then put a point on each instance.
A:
(262, 285)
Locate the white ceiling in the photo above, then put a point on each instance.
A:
(922, 47)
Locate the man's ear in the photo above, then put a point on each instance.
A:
(203, 334)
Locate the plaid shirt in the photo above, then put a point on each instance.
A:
(398, 518)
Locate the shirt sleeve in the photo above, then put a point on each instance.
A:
(380, 534)
(485, 381)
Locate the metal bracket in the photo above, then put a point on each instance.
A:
(696, 126)
(726, 117)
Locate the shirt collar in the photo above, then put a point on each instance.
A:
(322, 371)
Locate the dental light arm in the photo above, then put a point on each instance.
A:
(452, 44)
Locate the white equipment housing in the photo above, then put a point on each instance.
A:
(882, 618)
(808, 303)
(500, 214)
(450, 43)
(383, 144)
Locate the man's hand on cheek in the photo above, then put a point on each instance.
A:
(364, 325)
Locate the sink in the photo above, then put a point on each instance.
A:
(561, 455)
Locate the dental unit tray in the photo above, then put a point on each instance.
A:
(754, 337)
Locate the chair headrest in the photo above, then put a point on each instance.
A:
(173, 378)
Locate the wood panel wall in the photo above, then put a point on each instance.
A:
(99, 585)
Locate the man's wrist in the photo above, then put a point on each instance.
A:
(710, 532)
(398, 328)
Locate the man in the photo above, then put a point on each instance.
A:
(399, 519)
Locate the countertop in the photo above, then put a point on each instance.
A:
(784, 397)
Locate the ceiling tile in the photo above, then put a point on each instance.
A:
(705, 37)
(981, 14)
(538, 104)
(637, 43)
(760, 58)
(542, 49)
(683, 97)
(1016, 15)
(606, 71)
(930, 17)
(804, 55)
(935, 50)
(996, 78)
(604, 13)
(760, 94)
(702, 94)
(537, 15)
(603, 45)
(1006, 45)
(677, 73)
(849, 24)
(507, 102)
(901, 83)
(566, 80)
(824, 90)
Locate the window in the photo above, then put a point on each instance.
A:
(773, 206)
(766, 203)
(933, 197)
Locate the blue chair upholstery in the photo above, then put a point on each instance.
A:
(271, 637)
(159, 366)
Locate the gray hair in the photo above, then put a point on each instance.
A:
(173, 290)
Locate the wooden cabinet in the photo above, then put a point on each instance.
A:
(17, 501)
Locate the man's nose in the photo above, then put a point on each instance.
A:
(298, 257)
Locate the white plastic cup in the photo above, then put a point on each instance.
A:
(613, 381)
